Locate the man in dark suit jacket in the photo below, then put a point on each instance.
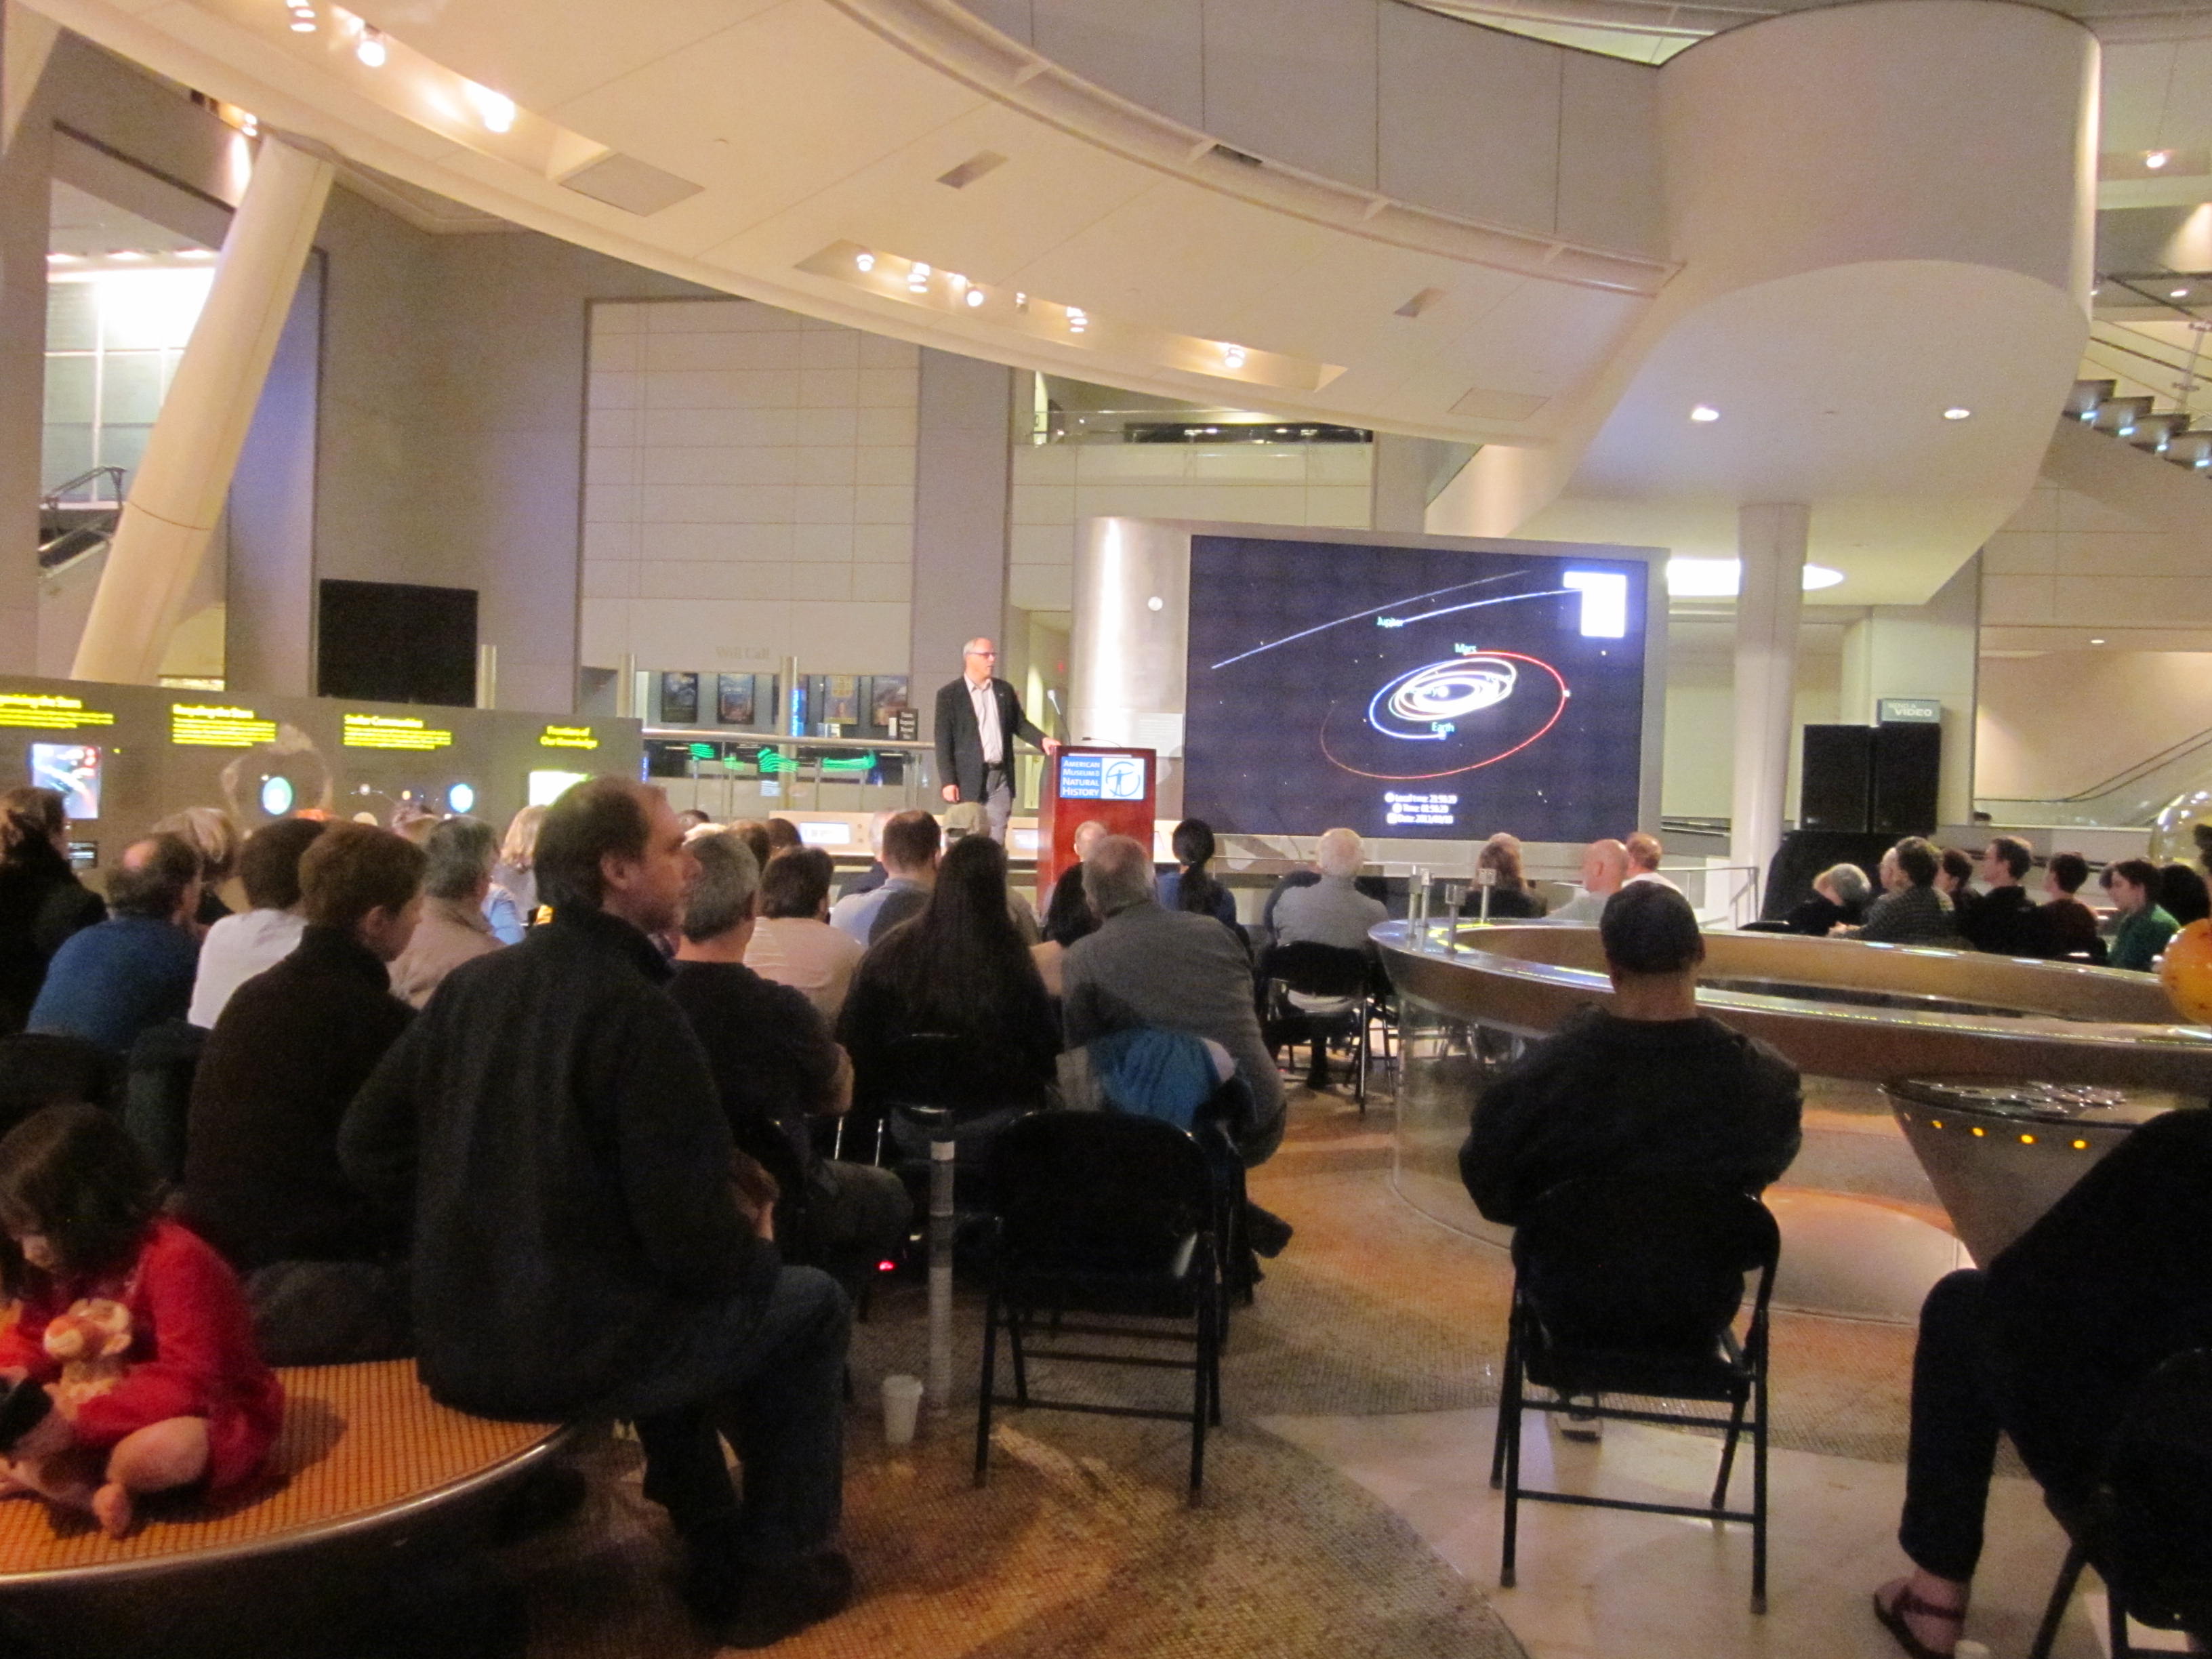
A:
(978, 718)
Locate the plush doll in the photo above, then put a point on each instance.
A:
(90, 1341)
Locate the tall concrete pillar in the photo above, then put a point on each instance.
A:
(1771, 541)
(963, 467)
(179, 493)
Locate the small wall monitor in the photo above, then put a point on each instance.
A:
(548, 787)
(72, 769)
(1101, 777)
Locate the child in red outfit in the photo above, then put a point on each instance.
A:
(91, 1255)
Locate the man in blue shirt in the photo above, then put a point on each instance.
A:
(106, 984)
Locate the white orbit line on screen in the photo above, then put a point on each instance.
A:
(1320, 628)
(1441, 694)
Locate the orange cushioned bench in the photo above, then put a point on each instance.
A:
(363, 1446)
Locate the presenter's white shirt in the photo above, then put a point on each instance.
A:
(986, 699)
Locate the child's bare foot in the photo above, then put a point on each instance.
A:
(112, 1508)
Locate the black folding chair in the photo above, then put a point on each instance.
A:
(1631, 1286)
(2148, 1530)
(1111, 1217)
(1338, 972)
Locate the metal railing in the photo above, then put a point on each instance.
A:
(51, 501)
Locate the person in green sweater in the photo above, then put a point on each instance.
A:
(2144, 927)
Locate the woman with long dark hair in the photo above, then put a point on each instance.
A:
(958, 971)
(41, 901)
(1511, 898)
(1191, 886)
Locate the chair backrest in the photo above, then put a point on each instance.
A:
(926, 1068)
(1651, 1261)
(1317, 971)
(2156, 1540)
(44, 1068)
(1097, 1191)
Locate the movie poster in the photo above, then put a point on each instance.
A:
(679, 699)
(840, 702)
(733, 699)
(886, 697)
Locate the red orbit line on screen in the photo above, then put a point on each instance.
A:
(1475, 766)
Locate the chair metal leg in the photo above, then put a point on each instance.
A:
(2116, 1619)
(940, 1274)
(1728, 1455)
(989, 1383)
(2062, 1594)
(1509, 1421)
(1512, 1368)
(1759, 1485)
(1202, 1396)
(1016, 1325)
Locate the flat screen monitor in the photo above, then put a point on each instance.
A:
(1101, 777)
(1422, 692)
(548, 787)
(73, 770)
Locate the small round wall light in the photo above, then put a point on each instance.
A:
(461, 798)
(276, 796)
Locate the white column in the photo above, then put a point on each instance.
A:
(1771, 541)
(179, 493)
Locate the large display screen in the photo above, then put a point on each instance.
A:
(71, 768)
(1408, 691)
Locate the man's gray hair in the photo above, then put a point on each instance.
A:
(460, 853)
(1340, 853)
(722, 896)
(1118, 875)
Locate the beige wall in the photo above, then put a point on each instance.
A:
(2062, 722)
(1697, 780)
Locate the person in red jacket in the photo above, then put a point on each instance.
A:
(138, 1329)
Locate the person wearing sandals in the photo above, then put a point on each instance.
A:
(2048, 1344)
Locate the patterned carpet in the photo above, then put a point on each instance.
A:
(1081, 1545)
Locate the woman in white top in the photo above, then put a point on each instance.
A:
(792, 942)
(239, 946)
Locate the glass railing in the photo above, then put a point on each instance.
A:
(756, 776)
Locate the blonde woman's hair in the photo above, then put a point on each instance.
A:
(520, 849)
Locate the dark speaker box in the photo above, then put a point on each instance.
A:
(1835, 786)
(397, 642)
(1908, 758)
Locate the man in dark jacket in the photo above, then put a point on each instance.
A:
(2003, 920)
(1643, 1085)
(978, 718)
(580, 1247)
(290, 1049)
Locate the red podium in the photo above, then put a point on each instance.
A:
(1112, 786)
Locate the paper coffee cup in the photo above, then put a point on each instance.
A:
(902, 1404)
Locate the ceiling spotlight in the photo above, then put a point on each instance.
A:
(371, 49)
(196, 253)
(2178, 292)
(126, 253)
(2129, 430)
(1021, 301)
(974, 297)
(61, 259)
(250, 124)
(917, 278)
(1233, 355)
(1077, 322)
(1955, 413)
(864, 260)
(1704, 414)
(2096, 642)
(303, 23)
(2155, 159)
(495, 109)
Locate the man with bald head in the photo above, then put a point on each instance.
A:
(1067, 915)
(1605, 867)
(978, 718)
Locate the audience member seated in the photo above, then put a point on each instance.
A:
(1642, 1084)
(911, 841)
(2144, 925)
(453, 928)
(2002, 920)
(1149, 966)
(239, 946)
(2182, 894)
(692, 817)
(875, 875)
(958, 970)
(322, 1261)
(110, 982)
(783, 836)
(2048, 1344)
(1511, 898)
(776, 1069)
(209, 831)
(514, 876)
(792, 942)
(1068, 916)
(2066, 927)
(1331, 911)
(1605, 867)
(1644, 852)
(1911, 911)
(753, 834)
(580, 1251)
(1954, 881)
(1841, 894)
(41, 901)
(1190, 885)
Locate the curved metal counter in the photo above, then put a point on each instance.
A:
(1864, 1227)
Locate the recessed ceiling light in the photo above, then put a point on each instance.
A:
(2155, 159)
(2177, 293)
(303, 25)
(1719, 579)
(1233, 355)
(1704, 414)
(126, 253)
(61, 258)
(196, 253)
(974, 297)
(1956, 413)
(1077, 321)
(864, 260)
(2096, 642)
(917, 278)
(495, 109)
(371, 49)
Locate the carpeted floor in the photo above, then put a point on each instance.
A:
(1081, 1544)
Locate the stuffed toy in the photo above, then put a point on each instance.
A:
(90, 1341)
